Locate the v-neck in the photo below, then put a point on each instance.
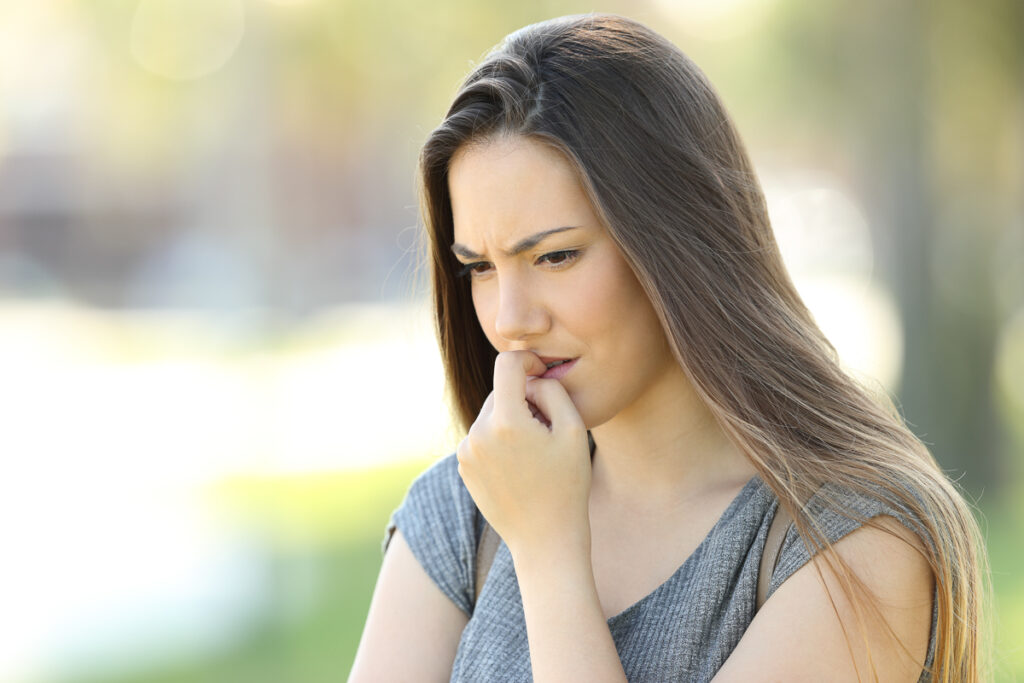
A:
(744, 494)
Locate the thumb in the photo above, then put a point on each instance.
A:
(554, 403)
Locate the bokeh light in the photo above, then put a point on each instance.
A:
(186, 39)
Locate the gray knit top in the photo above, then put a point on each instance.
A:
(684, 630)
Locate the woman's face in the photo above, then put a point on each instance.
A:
(546, 276)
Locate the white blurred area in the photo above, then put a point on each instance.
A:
(116, 427)
(827, 246)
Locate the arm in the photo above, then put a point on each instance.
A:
(530, 477)
(412, 630)
(797, 636)
(567, 632)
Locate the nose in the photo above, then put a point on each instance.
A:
(521, 312)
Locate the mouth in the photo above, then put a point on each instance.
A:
(557, 367)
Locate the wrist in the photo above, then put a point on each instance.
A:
(564, 548)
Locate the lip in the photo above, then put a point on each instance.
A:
(559, 371)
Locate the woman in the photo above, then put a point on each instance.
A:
(603, 263)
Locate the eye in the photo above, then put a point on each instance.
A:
(560, 258)
(555, 259)
(474, 269)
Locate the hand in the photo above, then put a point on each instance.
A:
(526, 460)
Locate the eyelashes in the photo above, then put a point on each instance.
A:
(468, 269)
(556, 259)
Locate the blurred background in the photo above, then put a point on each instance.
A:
(217, 369)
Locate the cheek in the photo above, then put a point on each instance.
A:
(633, 343)
(615, 302)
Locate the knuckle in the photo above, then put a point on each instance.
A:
(477, 432)
(548, 389)
(501, 428)
(576, 430)
(544, 386)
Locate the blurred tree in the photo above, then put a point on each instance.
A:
(932, 80)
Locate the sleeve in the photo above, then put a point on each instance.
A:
(839, 511)
(438, 519)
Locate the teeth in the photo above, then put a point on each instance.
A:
(557, 362)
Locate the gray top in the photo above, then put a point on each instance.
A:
(684, 630)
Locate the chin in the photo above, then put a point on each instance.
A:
(592, 416)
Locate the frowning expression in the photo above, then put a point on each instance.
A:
(547, 277)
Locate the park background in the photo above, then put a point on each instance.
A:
(217, 369)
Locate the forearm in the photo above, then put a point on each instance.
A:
(565, 625)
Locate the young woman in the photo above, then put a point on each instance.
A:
(644, 393)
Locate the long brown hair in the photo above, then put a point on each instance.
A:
(665, 169)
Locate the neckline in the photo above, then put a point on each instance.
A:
(744, 493)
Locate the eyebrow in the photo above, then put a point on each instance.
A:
(519, 247)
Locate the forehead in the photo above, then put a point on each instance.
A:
(506, 188)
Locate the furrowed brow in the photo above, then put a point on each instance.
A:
(519, 247)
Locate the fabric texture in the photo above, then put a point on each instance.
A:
(684, 630)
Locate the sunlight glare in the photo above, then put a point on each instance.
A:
(826, 244)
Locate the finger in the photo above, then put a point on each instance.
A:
(487, 408)
(511, 369)
(553, 401)
(537, 414)
(462, 452)
(483, 417)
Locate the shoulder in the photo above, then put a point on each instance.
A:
(810, 629)
(862, 607)
(440, 523)
(838, 511)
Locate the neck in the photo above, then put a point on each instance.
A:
(665, 449)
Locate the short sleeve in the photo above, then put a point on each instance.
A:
(844, 513)
(439, 522)
(838, 512)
